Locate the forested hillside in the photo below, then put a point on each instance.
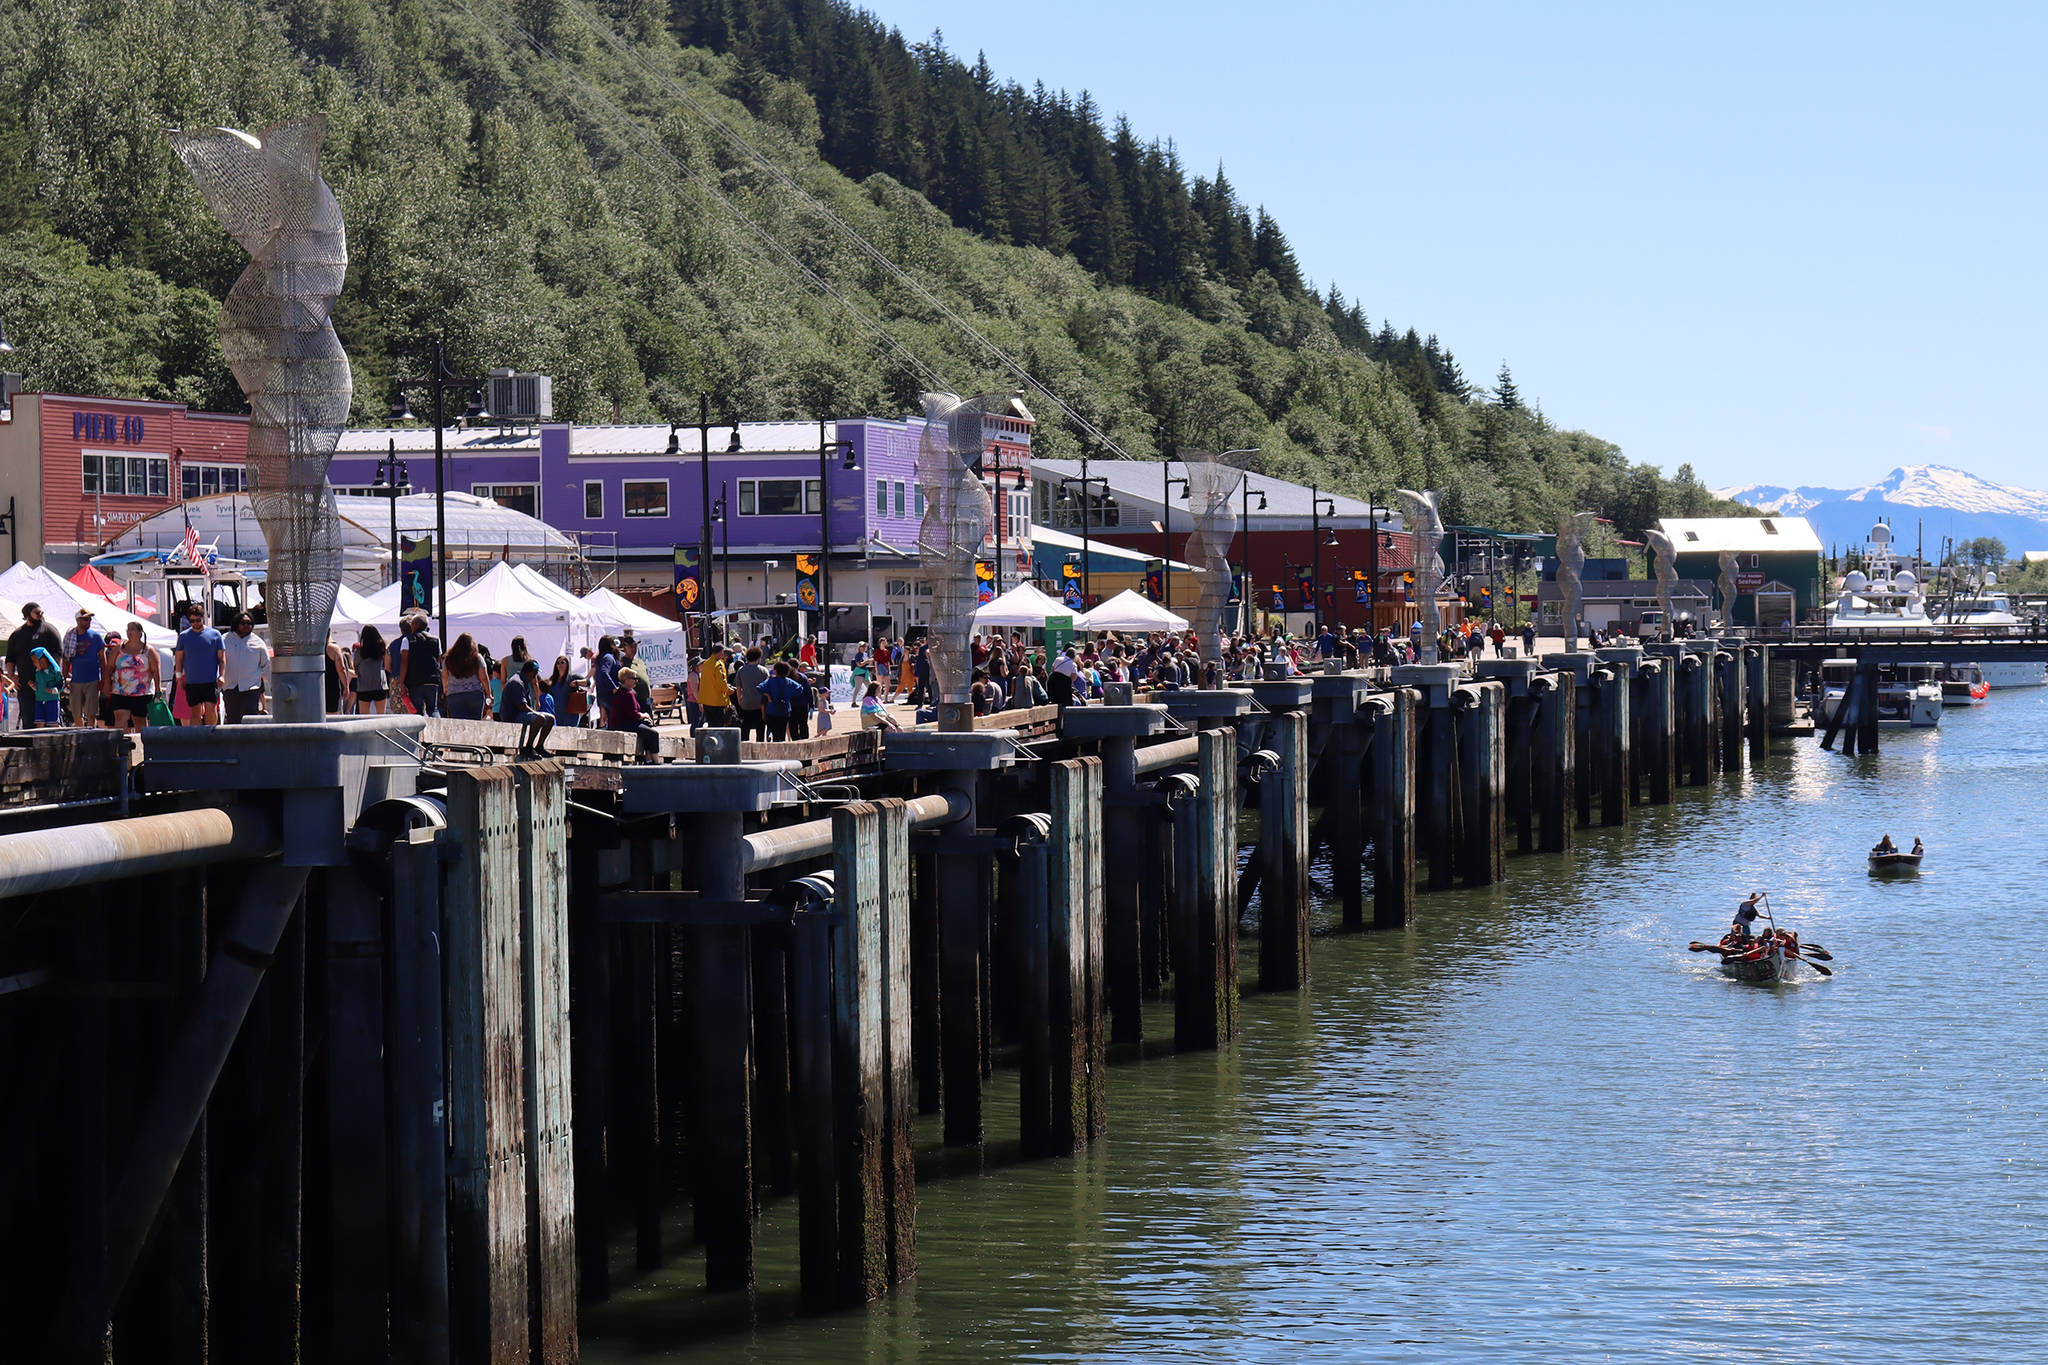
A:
(547, 209)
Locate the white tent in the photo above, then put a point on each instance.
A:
(623, 611)
(1130, 610)
(1022, 605)
(384, 602)
(60, 600)
(501, 605)
(352, 611)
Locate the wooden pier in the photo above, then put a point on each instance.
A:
(366, 1041)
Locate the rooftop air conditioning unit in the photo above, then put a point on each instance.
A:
(521, 397)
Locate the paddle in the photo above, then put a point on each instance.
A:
(1811, 963)
(1698, 947)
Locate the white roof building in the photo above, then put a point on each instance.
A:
(1744, 535)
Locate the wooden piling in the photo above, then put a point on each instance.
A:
(590, 1025)
(417, 1113)
(1344, 760)
(1654, 736)
(1076, 953)
(1732, 691)
(1756, 661)
(1610, 688)
(963, 915)
(1123, 824)
(1480, 714)
(720, 998)
(1205, 900)
(925, 976)
(1283, 850)
(858, 1054)
(1393, 811)
(549, 1141)
(351, 1309)
(1556, 761)
(490, 1275)
(899, 1080)
(1518, 793)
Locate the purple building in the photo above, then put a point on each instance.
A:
(629, 501)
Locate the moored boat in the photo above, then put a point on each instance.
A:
(1963, 685)
(1987, 612)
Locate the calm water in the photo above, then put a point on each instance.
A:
(1536, 1128)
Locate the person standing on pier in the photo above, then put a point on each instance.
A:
(714, 690)
(84, 651)
(195, 666)
(32, 634)
(244, 668)
(420, 666)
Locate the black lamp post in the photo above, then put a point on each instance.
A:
(1316, 504)
(392, 478)
(1373, 513)
(704, 594)
(437, 385)
(1248, 598)
(725, 552)
(850, 462)
(1167, 482)
(1087, 584)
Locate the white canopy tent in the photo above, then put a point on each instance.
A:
(501, 605)
(387, 608)
(1022, 605)
(622, 611)
(60, 600)
(1130, 610)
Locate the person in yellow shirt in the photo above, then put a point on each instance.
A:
(714, 692)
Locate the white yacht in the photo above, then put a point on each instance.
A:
(1908, 695)
(1988, 612)
(1882, 599)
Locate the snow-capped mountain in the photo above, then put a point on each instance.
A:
(1928, 500)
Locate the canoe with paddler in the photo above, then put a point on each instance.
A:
(1763, 953)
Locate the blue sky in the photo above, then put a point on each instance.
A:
(1786, 243)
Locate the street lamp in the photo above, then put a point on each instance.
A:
(850, 462)
(1315, 511)
(704, 594)
(1373, 546)
(437, 384)
(392, 478)
(1087, 586)
(1166, 528)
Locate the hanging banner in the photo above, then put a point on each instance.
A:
(1279, 598)
(1361, 588)
(984, 581)
(1237, 585)
(1305, 586)
(807, 582)
(688, 575)
(1155, 579)
(1071, 586)
(416, 565)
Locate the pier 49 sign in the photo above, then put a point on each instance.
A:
(106, 426)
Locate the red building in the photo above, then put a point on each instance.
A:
(78, 471)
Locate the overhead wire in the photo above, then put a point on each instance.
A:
(741, 144)
(620, 121)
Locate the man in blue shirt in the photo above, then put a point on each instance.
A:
(196, 666)
(84, 652)
(780, 696)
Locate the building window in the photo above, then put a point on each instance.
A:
(205, 480)
(779, 497)
(645, 497)
(920, 502)
(130, 476)
(881, 497)
(520, 497)
(899, 497)
(593, 499)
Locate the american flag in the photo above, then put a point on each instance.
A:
(193, 555)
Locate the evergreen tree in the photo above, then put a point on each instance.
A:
(1505, 394)
(1271, 254)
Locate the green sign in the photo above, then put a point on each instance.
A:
(1059, 633)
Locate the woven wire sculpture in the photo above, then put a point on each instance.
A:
(1664, 553)
(276, 335)
(1571, 571)
(1212, 502)
(957, 516)
(1427, 523)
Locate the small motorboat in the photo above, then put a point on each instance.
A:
(1894, 864)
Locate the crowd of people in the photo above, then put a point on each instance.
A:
(91, 677)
